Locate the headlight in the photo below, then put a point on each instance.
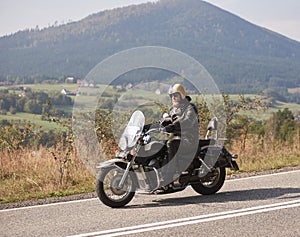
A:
(146, 139)
(121, 154)
(132, 152)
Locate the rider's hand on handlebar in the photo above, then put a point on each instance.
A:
(161, 129)
(166, 122)
(169, 128)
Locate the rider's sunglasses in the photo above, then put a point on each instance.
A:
(176, 94)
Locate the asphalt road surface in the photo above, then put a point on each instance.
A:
(266, 205)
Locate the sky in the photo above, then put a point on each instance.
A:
(282, 16)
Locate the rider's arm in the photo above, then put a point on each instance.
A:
(187, 121)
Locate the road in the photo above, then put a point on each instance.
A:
(266, 205)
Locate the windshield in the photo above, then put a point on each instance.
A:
(133, 130)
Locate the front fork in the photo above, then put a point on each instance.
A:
(128, 167)
(122, 181)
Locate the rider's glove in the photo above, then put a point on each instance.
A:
(174, 117)
(146, 127)
(151, 125)
(166, 122)
(170, 128)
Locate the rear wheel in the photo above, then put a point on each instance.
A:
(212, 183)
(107, 187)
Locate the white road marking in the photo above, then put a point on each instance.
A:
(263, 176)
(192, 220)
(48, 205)
(92, 199)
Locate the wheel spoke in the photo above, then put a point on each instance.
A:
(111, 183)
(212, 180)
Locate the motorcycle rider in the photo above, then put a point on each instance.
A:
(183, 123)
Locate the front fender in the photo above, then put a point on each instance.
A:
(119, 163)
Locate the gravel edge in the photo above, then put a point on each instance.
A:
(50, 200)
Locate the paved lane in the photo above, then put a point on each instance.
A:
(267, 205)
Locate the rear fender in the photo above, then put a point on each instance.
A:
(225, 159)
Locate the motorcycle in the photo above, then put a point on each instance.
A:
(137, 165)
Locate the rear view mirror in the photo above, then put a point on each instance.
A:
(165, 115)
(213, 124)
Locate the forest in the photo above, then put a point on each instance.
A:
(241, 57)
(25, 100)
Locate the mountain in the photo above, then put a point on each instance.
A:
(241, 56)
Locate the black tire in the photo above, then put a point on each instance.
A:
(106, 182)
(213, 185)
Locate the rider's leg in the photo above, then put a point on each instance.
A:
(169, 169)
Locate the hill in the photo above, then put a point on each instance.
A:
(233, 50)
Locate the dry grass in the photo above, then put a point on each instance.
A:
(35, 174)
(261, 155)
(27, 174)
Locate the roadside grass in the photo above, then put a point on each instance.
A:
(260, 155)
(28, 174)
(274, 160)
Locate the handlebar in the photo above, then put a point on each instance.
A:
(157, 130)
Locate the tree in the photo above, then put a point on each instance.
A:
(31, 106)
(280, 126)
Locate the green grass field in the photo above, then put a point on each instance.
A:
(139, 96)
(265, 115)
(51, 88)
(32, 118)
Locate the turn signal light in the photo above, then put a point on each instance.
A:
(132, 152)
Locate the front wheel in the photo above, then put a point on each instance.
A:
(212, 184)
(107, 187)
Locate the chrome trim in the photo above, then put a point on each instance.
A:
(110, 162)
(157, 178)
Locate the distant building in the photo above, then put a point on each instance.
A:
(69, 80)
(64, 92)
(5, 83)
(67, 92)
(85, 83)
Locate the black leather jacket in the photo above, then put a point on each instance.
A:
(183, 121)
